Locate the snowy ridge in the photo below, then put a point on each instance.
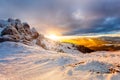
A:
(27, 55)
(16, 31)
(59, 47)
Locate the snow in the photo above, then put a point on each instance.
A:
(22, 62)
(55, 62)
(94, 66)
(63, 47)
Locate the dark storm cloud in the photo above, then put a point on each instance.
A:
(66, 16)
(104, 25)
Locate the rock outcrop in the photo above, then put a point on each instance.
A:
(16, 31)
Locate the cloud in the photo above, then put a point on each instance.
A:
(104, 25)
(65, 16)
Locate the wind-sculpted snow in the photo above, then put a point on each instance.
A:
(24, 62)
(27, 55)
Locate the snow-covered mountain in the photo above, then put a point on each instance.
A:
(27, 55)
(16, 31)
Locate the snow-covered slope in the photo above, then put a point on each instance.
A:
(23, 62)
(57, 46)
(16, 31)
(27, 55)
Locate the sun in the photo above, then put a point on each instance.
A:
(53, 37)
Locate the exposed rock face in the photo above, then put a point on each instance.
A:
(39, 41)
(16, 31)
(11, 32)
(26, 28)
(34, 34)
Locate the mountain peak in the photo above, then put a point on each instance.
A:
(16, 31)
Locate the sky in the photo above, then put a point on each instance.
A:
(65, 17)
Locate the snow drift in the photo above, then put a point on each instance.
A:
(23, 62)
